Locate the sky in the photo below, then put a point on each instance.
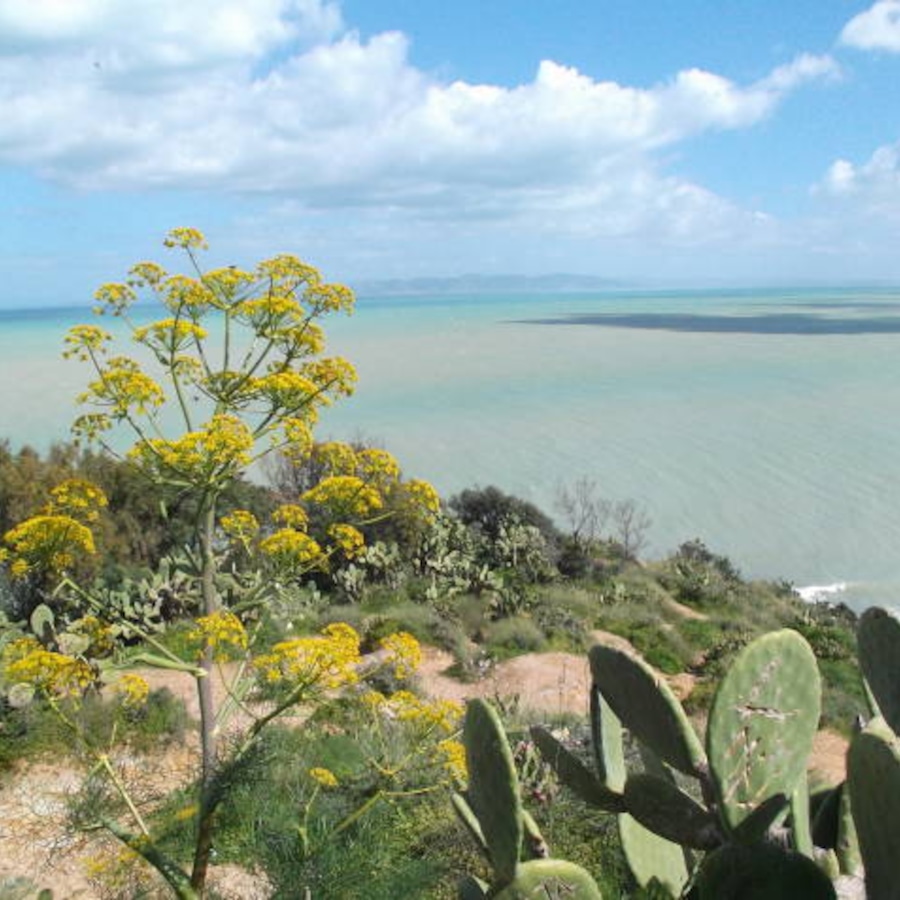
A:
(656, 143)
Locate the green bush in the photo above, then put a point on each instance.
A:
(518, 634)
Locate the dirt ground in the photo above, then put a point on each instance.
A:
(35, 845)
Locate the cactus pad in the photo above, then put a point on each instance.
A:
(761, 872)
(651, 857)
(551, 879)
(873, 775)
(493, 791)
(606, 735)
(762, 723)
(647, 707)
(666, 810)
(572, 772)
(878, 637)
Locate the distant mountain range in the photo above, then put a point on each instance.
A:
(487, 284)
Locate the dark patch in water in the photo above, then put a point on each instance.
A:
(776, 323)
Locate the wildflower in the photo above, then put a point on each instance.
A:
(146, 274)
(348, 539)
(115, 298)
(288, 549)
(133, 690)
(222, 632)
(121, 386)
(291, 516)
(404, 653)
(452, 756)
(328, 660)
(187, 238)
(423, 495)
(240, 525)
(83, 341)
(51, 542)
(378, 466)
(169, 335)
(187, 295)
(47, 671)
(337, 458)
(78, 498)
(346, 496)
(324, 777)
(428, 715)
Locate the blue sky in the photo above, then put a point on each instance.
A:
(687, 143)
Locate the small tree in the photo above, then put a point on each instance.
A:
(233, 373)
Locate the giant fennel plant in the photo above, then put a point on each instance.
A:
(233, 371)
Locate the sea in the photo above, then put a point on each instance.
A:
(765, 423)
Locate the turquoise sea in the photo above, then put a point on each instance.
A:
(766, 423)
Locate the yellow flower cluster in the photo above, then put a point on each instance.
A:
(114, 298)
(404, 706)
(288, 272)
(423, 495)
(222, 446)
(291, 516)
(451, 754)
(25, 661)
(50, 542)
(345, 496)
(297, 436)
(240, 525)
(329, 298)
(122, 385)
(222, 632)
(328, 660)
(148, 274)
(336, 458)
(227, 282)
(287, 391)
(169, 335)
(334, 375)
(182, 294)
(347, 539)
(187, 238)
(404, 653)
(83, 341)
(78, 498)
(377, 466)
(323, 777)
(290, 550)
(133, 690)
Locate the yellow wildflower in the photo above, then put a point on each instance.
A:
(452, 756)
(404, 653)
(348, 539)
(169, 335)
(337, 458)
(146, 274)
(428, 715)
(52, 542)
(324, 777)
(50, 672)
(133, 690)
(291, 550)
(423, 495)
(83, 341)
(121, 386)
(78, 498)
(328, 660)
(345, 496)
(222, 632)
(114, 297)
(240, 525)
(291, 516)
(187, 238)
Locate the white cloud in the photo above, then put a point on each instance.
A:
(276, 96)
(873, 187)
(878, 28)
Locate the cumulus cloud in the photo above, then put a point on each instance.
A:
(277, 96)
(873, 187)
(878, 28)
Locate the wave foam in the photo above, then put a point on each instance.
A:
(813, 593)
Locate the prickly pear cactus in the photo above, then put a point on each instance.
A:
(878, 637)
(606, 737)
(551, 879)
(652, 858)
(493, 791)
(647, 707)
(574, 774)
(762, 723)
(667, 811)
(761, 872)
(873, 776)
